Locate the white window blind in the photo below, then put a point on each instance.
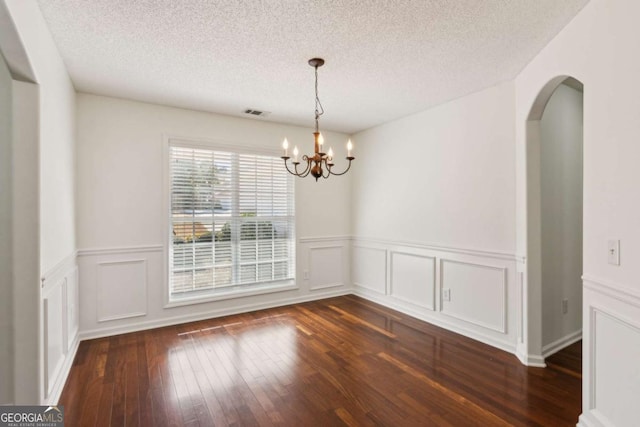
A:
(232, 221)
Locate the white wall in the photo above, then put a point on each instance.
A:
(28, 342)
(561, 213)
(434, 213)
(597, 47)
(444, 176)
(44, 211)
(57, 129)
(121, 215)
(120, 167)
(6, 209)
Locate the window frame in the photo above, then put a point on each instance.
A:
(237, 291)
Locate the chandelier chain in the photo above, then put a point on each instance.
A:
(319, 108)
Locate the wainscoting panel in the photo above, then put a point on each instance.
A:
(119, 286)
(484, 297)
(117, 279)
(326, 266)
(610, 331)
(54, 334)
(125, 289)
(59, 336)
(612, 351)
(477, 293)
(370, 268)
(413, 279)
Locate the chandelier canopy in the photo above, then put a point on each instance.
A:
(320, 164)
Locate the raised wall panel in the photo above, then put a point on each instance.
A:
(409, 277)
(478, 293)
(326, 266)
(120, 283)
(54, 334)
(370, 268)
(615, 369)
(121, 289)
(413, 279)
(59, 319)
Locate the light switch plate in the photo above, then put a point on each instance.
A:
(613, 252)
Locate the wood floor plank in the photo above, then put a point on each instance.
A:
(132, 402)
(342, 361)
(469, 406)
(103, 414)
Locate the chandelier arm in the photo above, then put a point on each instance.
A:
(343, 172)
(326, 168)
(295, 168)
(286, 165)
(307, 169)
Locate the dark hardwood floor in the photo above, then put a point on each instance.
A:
(340, 361)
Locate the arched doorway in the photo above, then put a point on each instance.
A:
(554, 218)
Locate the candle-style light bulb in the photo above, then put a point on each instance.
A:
(320, 139)
(349, 148)
(330, 153)
(295, 153)
(285, 146)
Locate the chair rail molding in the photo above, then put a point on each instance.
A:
(316, 239)
(60, 268)
(611, 289)
(510, 256)
(119, 250)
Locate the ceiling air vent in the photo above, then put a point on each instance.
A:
(258, 113)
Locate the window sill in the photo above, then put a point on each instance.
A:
(225, 294)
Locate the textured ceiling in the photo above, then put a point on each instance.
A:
(384, 59)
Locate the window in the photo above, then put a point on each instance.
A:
(232, 222)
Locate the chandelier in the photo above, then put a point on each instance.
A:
(320, 164)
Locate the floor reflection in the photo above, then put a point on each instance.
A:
(332, 362)
(219, 357)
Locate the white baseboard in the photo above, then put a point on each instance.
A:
(531, 360)
(561, 343)
(177, 320)
(405, 309)
(56, 392)
(588, 420)
(382, 300)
